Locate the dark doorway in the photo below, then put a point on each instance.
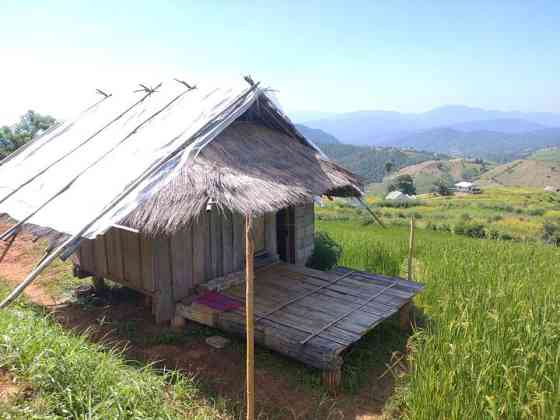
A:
(285, 230)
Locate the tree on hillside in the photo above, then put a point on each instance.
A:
(29, 125)
(402, 183)
(388, 167)
(441, 187)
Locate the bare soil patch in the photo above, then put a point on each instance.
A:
(11, 387)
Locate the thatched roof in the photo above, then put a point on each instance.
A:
(248, 168)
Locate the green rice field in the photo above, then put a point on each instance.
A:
(489, 345)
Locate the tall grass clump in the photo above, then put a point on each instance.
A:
(71, 377)
(491, 345)
(362, 251)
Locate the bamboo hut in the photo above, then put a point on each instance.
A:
(157, 190)
(191, 232)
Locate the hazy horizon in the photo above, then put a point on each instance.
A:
(321, 56)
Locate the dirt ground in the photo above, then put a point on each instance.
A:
(8, 388)
(221, 370)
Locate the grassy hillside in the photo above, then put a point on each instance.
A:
(524, 173)
(487, 343)
(549, 153)
(369, 162)
(450, 171)
(426, 173)
(503, 213)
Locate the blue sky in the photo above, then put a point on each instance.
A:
(328, 56)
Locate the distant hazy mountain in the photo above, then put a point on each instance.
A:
(501, 147)
(367, 127)
(317, 136)
(504, 125)
(303, 116)
(386, 127)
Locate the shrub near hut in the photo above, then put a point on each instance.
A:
(326, 252)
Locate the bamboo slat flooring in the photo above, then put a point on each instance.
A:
(311, 315)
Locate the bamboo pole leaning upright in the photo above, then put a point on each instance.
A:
(411, 246)
(249, 316)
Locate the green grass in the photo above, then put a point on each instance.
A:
(71, 377)
(548, 154)
(507, 213)
(491, 345)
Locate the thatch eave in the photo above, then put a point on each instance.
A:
(248, 169)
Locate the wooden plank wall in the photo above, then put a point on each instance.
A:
(164, 307)
(121, 256)
(201, 247)
(170, 268)
(304, 232)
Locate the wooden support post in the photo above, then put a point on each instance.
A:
(249, 316)
(404, 316)
(99, 284)
(411, 247)
(332, 379)
(8, 246)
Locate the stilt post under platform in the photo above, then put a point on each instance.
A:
(99, 284)
(404, 316)
(249, 316)
(332, 379)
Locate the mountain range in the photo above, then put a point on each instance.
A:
(484, 144)
(454, 129)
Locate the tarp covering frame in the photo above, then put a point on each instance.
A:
(100, 169)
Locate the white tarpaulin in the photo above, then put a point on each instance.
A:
(89, 173)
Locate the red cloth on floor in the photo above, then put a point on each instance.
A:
(218, 301)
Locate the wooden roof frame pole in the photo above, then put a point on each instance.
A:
(249, 316)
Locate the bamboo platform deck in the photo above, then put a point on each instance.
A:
(311, 315)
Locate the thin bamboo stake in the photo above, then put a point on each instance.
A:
(249, 316)
(411, 244)
(370, 211)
